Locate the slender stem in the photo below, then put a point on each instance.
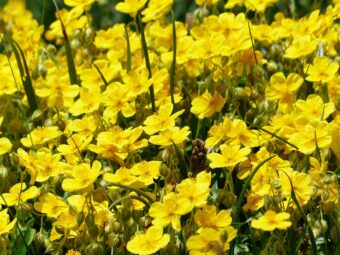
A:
(138, 191)
(128, 49)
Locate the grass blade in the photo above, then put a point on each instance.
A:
(173, 64)
(147, 60)
(69, 55)
(25, 74)
(128, 48)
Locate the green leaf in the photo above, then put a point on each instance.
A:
(20, 248)
(69, 55)
(24, 73)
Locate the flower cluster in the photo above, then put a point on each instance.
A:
(166, 136)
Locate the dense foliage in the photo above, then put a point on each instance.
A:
(206, 127)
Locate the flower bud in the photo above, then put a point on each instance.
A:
(94, 248)
(80, 218)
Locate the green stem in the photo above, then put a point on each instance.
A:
(272, 134)
(309, 228)
(116, 202)
(138, 191)
(240, 199)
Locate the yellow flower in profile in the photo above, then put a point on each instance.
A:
(18, 194)
(272, 220)
(284, 89)
(5, 225)
(51, 205)
(209, 240)
(230, 157)
(131, 7)
(194, 191)
(123, 176)
(169, 211)
(170, 136)
(146, 171)
(321, 70)
(83, 176)
(161, 121)
(301, 46)
(5, 145)
(156, 9)
(41, 135)
(206, 105)
(148, 243)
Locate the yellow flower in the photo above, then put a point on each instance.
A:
(5, 145)
(169, 211)
(206, 2)
(302, 185)
(116, 98)
(314, 108)
(301, 46)
(5, 225)
(310, 137)
(170, 136)
(57, 90)
(272, 220)
(137, 80)
(130, 7)
(240, 134)
(209, 240)
(146, 171)
(206, 105)
(259, 5)
(79, 3)
(51, 205)
(41, 135)
(207, 217)
(156, 9)
(83, 176)
(149, 242)
(321, 70)
(283, 89)
(334, 130)
(230, 157)
(18, 194)
(72, 252)
(123, 176)
(194, 192)
(75, 144)
(218, 133)
(41, 165)
(88, 102)
(161, 121)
